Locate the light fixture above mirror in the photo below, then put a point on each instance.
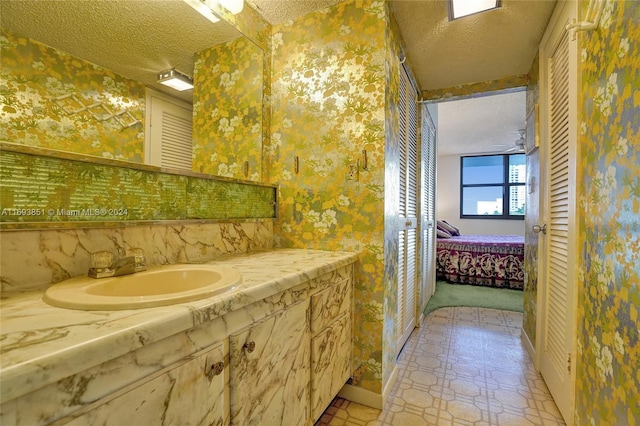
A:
(176, 80)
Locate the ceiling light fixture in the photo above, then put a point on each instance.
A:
(461, 8)
(176, 80)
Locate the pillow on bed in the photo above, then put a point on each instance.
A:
(443, 233)
(449, 228)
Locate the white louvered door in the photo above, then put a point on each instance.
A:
(408, 212)
(558, 245)
(170, 143)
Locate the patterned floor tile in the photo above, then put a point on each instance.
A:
(464, 367)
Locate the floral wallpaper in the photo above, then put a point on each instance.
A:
(328, 104)
(227, 112)
(608, 341)
(253, 26)
(50, 99)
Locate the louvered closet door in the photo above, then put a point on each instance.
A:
(408, 208)
(428, 209)
(559, 209)
(171, 135)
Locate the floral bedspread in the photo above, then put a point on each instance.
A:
(487, 260)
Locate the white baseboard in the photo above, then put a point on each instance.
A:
(367, 397)
(389, 385)
(527, 344)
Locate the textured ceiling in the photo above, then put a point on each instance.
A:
(487, 46)
(278, 11)
(483, 125)
(136, 39)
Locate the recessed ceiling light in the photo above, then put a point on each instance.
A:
(461, 8)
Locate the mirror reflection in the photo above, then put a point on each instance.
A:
(82, 76)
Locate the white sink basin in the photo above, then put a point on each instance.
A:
(157, 286)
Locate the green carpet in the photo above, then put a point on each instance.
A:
(447, 295)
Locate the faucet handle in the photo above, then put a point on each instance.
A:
(135, 252)
(101, 259)
(139, 258)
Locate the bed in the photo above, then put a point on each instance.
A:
(485, 260)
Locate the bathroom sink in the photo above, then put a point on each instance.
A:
(157, 286)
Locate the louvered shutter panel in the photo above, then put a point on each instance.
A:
(402, 198)
(408, 210)
(176, 141)
(558, 227)
(412, 213)
(170, 141)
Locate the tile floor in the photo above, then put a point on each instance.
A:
(464, 366)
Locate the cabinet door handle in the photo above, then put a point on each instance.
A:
(249, 346)
(214, 369)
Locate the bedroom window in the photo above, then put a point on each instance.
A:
(492, 186)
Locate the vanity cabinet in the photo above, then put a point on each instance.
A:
(331, 327)
(275, 354)
(193, 392)
(269, 370)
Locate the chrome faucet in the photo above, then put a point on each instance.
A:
(103, 266)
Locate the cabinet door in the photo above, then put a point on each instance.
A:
(330, 303)
(192, 393)
(330, 363)
(269, 370)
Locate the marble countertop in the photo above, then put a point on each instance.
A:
(41, 344)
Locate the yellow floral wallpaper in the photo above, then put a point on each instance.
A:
(328, 104)
(50, 99)
(227, 112)
(608, 346)
(252, 25)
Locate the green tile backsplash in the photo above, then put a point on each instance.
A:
(41, 189)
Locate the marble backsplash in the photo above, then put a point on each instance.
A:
(34, 259)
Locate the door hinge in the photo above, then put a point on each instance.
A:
(568, 362)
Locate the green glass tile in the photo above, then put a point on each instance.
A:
(36, 188)
(208, 199)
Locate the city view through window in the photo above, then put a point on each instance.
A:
(493, 185)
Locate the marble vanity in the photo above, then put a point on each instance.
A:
(276, 350)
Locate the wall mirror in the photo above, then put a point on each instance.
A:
(76, 77)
